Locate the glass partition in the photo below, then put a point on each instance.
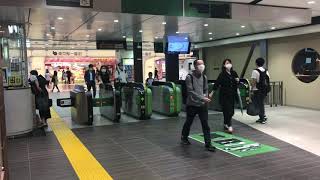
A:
(12, 41)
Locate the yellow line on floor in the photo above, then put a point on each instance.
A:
(83, 162)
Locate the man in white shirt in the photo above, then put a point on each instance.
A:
(259, 90)
(121, 75)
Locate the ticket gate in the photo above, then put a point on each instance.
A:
(110, 106)
(166, 98)
(82, 103)
(136, 100)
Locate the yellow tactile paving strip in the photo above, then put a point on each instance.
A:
(83, 162)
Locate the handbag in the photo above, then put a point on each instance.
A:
(252, 109)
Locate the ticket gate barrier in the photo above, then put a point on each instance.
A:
(82, 104)
(136, 100)
(215, 103)
(166, 98)
(110, 104)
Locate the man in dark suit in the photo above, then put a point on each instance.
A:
(90, 79)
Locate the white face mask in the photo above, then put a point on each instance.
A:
(103, 70)
(228, 66)
(201, 68)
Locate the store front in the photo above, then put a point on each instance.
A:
(76, 62)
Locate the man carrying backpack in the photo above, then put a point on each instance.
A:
(197, 104)
(261, 88)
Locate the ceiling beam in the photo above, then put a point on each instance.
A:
(308, 29)
(255, 2)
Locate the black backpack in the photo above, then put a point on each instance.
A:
(264, 82)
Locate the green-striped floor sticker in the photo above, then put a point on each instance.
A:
(235, 145)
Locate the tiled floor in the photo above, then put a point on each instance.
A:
(296, 126)
(151, 150)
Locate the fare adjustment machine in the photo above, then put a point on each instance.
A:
(82, 103)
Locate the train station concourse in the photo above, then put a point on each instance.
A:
(159, 90)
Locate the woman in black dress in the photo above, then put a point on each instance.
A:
(228, 83)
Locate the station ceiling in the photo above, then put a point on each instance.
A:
(79, 28)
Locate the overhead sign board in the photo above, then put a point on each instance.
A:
(71, 3)
(106, 44)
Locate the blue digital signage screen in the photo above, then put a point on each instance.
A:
(178, 44)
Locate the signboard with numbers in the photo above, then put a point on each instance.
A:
(15, 80)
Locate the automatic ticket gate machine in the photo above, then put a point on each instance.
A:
(82, 103)
(137, 100)
(109, 102)
(166, 98)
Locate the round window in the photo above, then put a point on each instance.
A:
(306, 65)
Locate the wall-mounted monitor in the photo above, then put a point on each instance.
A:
(178, 44)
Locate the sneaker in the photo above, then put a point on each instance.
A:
(185, 141)
(210, 148)
(262, 121)
(230, 129)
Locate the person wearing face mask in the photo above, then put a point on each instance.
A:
(90, 79)
(227, 81)
(197, 104)
(104, 75)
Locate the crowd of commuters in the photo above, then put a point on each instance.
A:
(198, 95)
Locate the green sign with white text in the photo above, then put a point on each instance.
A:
(235, 145)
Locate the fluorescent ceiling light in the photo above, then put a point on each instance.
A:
(53, 28)
(273, 28)
(210, 38)
(164, 23)
(99, 29)
(60, 18)
(210, 33)
(311, 2)
(156, 37)
(88, 35)
(123, 36)
(206, 25)
(243, 26)
(238, 34)
(116, 20)
(140, 31)
(177, 32)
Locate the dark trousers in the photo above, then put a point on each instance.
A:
(259, 98)
(69, 80)
(228, 110)
(202, 112)
(92, 84)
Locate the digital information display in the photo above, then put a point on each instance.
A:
(178, 44)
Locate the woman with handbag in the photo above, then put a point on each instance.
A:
(227, 81)
(38, 87)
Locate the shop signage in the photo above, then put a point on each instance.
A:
(66, 53)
